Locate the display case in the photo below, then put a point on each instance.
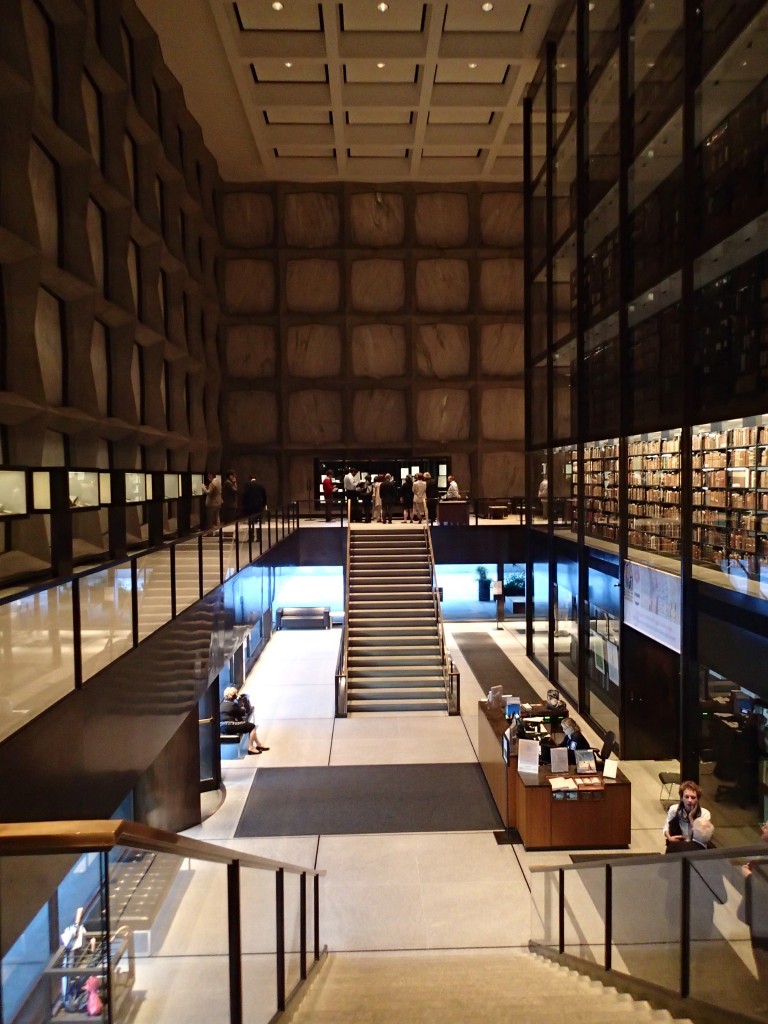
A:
(135, 488)
(83, 488)
(13, 492)
(198, 484)
(653, 486)
(601, 490)
(171, 486)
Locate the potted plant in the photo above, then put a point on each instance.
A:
(483, 584)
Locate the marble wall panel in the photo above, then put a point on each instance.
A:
(502, 414)
(377, 218)
(501, 285)
(313, 350)
(250, 417)
(501, 350)
(300, 474)
(442, 286)
(461, 471)
(501, 218)
(442, 219)
(443, 414)
(442, 350)
(249, 286)
(379, 416)
(249, 351)
(312, 286)
(311, 219)
(377, 286)
(247, 219)
(314, 417)
(378, 350)
(502, 473)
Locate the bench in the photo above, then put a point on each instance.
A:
(303, 618)
(234, 745)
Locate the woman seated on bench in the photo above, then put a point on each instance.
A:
(233, 717)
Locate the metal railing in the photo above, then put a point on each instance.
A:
(451, 677)
(156, 912)
(59, 634)
(685, 926)
(341, 676)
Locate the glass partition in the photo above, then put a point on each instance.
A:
(603, 678)
(153, 583)
(566, 618)
(584, 932)
(106, 617)
(36, 655)
(187, 574)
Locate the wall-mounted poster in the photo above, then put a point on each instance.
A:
(652, 603)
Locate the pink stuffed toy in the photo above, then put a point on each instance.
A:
(94, 1005)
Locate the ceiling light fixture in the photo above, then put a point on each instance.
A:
(382, 7)
(486, 8)
(473, 66)
(289, 64)
(277, 6)
(381, 64)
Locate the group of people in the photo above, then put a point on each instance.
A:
(222, 499)
(382, 499)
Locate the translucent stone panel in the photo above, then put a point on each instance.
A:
(311, 219)
(249, 286)
(39, 43)
(313, 350)
(250, 351)
(501, 285)
(377, 286)
(312, 286)
(442, 350)
(133, 272)
(442, 219)
(247, 219)
(42, 179)
(502, 414)
(442, 286)
(377, 218)
(49, 346)
(443, 414)
(129, 154)
(378, 350)
(501, 218)
(314, 417)
(251, 417)
(379, 416)
(502, 473)
(501, 350)
(99, 366)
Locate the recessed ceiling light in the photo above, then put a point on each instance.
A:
(473, 66)
(488, 7)
(277, 6)
(382, 7)
(289, 64)
(381, 64)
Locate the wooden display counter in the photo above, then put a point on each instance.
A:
(594, 819)
(453, 513)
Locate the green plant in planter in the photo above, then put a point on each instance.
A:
(514, 583)
(482, 572)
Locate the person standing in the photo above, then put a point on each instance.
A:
(419, 499)
(377, 506)
(213, 499)
(543, 497)
(254, 498)
(350, 494)
(432, 497)
(328, 496)
(229, 498)
(452, 494)
(406, 496)
(388, 497)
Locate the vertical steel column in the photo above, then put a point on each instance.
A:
(280, 936)
(107, 928)
(551, 95)
(77, 635)
(237, 545)
(173, 580)
(221, 554)
(303, 925)
(689, 682)
(200, 574)
(135, 602)
(608, 916)
(235, 943)
(561, 912)
(316, 879)
(685, 929)
(527, 345)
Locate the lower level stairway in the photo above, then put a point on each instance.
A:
(492, 986)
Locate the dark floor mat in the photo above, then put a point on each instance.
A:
(368, 798)
(491, 666)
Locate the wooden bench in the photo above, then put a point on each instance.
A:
(303, 618)
(234, 745)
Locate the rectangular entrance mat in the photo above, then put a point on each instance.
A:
(490, 666)
(584, 858)
(362, 799)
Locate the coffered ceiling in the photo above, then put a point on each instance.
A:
(320, 90)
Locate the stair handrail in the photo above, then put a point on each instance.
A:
(102, 836)
(451, 681)
(554, 946)
(341, 677)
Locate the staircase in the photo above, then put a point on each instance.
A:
(393, 648)
(461, 987)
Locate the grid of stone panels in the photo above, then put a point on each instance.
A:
(373, 320)
(108, 248)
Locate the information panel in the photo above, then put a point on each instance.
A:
(652, 603)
